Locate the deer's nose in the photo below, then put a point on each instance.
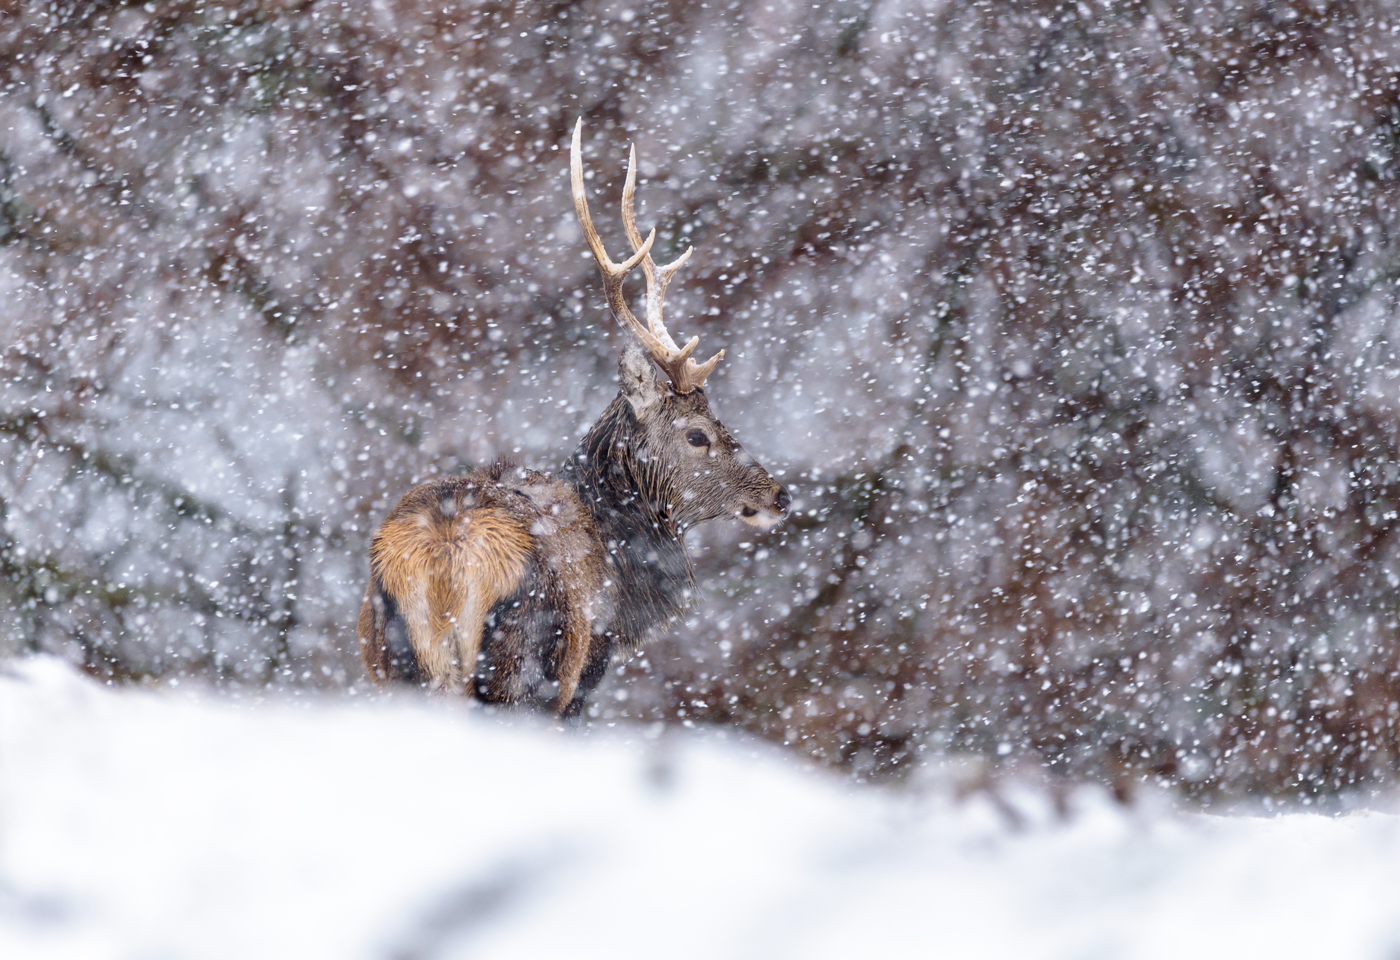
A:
(783, 500)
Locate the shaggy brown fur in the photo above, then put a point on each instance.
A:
(516, 586)
(455, 550)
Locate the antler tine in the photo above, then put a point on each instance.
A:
(629, 215)
(697, 372)
(685, 374)
(657, 278)
(613, 273)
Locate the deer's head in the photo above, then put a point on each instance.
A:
(685, 455)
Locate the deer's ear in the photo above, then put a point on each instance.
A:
(637, 377)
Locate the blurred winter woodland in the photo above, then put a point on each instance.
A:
(1071, 326)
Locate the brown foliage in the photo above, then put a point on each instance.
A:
(1073, 326)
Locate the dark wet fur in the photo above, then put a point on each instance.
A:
(624, 476)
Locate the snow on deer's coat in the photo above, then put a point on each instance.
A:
(517, 587)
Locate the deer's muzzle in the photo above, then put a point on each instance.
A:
(766, 515)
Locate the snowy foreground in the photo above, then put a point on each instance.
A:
(144, 825)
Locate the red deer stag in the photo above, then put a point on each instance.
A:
(518, 587)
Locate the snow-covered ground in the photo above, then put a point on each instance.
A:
(167, 825)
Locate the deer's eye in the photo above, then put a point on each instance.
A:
(697, 438)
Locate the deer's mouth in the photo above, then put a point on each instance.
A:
(760, 517)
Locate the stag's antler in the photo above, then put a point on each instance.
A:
(685, 374)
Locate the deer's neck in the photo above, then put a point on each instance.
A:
(628, 500)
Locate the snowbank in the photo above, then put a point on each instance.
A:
(162, 825)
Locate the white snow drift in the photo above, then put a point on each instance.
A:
(162, 825)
